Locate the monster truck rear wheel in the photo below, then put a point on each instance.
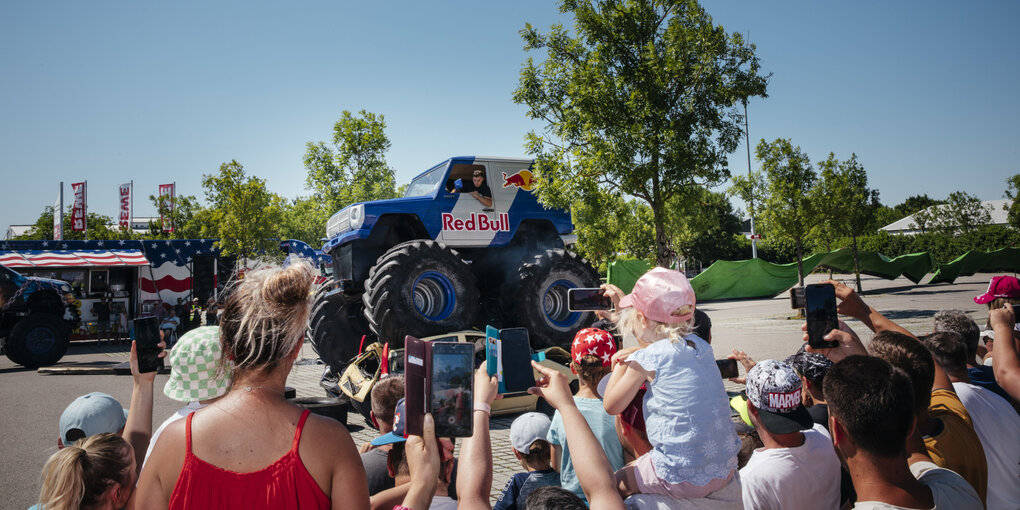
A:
(38, 340)
(335, 327)
(419, 288)
(537, 300)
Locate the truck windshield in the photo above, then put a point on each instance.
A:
(427, 183)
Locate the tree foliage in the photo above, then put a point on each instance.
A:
(185, 216)
(783, 190)
(354, 168)
(96, 227)
(242, 212)
(1013, 194)
(845, 202)
(641, 99)
(961, 212)
(304, 219)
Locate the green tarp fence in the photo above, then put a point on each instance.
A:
(757, 278)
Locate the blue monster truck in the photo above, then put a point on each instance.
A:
(32, 324)
(445, 257)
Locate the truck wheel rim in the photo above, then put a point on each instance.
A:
(433, 295)
(40, 340)
(554, 304)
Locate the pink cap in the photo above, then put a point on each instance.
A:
(1000, 286)
(662, 295)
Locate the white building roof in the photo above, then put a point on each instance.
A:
(907, 225)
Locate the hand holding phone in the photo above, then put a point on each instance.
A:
(727, 368)
(820, 301)
(587, 300)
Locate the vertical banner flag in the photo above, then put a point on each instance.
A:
(58, 214)
(166, 201)
(78, 211)
(125, 206)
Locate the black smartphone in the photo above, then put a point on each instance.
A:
(797, 298)
(451, 396)
(586, 300)
(727, 368)
(820, 308)
(147, 344)
(515, 353)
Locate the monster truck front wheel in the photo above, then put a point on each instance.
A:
(38, 340)
(537, 300)
(419, 288)
(335, 327)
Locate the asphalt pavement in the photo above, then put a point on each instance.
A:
(31, 402)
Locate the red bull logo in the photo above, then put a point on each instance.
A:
(477, 222)
(523, 179)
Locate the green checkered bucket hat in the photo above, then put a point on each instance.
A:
(195, 372)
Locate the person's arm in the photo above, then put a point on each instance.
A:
(849, 343)
(138, 427)
(853, 305)
(587, 455)
(622, 388)
(1004, 349)
(422, 453)
(486, 201)
(474, 474)
(389, 498)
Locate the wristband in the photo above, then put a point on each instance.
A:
(401, 507)
(485, 408)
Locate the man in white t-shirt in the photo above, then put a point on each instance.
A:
(995, 421)
(797, 468)
(872, 422)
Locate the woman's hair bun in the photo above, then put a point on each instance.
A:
(288, 287)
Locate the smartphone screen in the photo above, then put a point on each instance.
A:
(586, 300)
(727, 368)
(147, 344)
(797, 297)
(451, 399)
(515, 353)
(820, 309)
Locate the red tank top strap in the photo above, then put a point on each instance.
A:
(297, 431)
(187, 433)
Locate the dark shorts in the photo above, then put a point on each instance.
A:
(103, 326)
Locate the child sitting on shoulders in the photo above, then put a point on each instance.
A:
(527, 437)
(687, 417)
(591, 354)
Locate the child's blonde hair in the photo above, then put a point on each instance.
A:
(77, 476)
(629, 320)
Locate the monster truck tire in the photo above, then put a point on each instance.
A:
(335, 328)
(419, 288)
(537, 298)
(38, 340)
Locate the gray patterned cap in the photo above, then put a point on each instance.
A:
(774, 388)
(195, 371)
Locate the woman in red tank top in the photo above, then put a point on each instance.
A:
(253, 448)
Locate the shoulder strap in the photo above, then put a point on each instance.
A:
(187, 432)
(300, 425)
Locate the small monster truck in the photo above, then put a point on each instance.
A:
(32, 325)
(441, 259)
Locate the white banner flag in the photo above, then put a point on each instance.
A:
(58, 215)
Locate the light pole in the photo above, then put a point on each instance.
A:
(747, 139)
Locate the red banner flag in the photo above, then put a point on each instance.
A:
(166, 200)
(125, 206)
(79, 210)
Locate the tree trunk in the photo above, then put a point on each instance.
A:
(800, 261)
(663, 254)
(857, 264)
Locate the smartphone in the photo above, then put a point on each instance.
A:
(516, 374)
(797, 297)
(727, 368)
(451, 397)
(147, 344)
(586, 300)
(820, 308)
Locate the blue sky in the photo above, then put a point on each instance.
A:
(926, 93)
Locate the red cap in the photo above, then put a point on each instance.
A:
(594, 342)
(1000, 287)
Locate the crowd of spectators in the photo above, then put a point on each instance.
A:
(906, 421)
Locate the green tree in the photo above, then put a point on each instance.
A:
(783, 188)
(916, 203)
(304, 219)
(242, 213)
(844, 201)
(354, 169)
(184, 215)
(702, 226)
(1013, 209)
(97, 226)
(962, 212)
(641, 99)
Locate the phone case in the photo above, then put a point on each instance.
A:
(417, 366)
(516, 356)
(492, 360)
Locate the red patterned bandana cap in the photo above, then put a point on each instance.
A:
(593, 342)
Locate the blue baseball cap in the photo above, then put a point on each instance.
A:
(397, 435)
(89, 415)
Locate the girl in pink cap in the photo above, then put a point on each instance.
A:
(686, 410)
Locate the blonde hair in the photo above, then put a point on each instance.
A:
(78, 475)
(265, 316)
(629, 321)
